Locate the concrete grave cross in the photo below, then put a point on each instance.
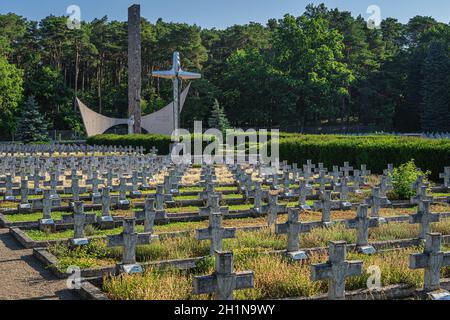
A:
(357, 180)
(344, 190)
(346, 169)
(24, 192)
(273, 209)
(336, 174)
(446, 176)
(420, 181)
(224, 280)
(375, 201)
(432, 260)
(213, 206)
(259, 195)
(303, 191)
(95, 182)
(80, 221)
(47, 224)
(364, 172)
(9, 196)
(75, 189)
(421, 195)
(123, 188)
(362, 223)
(149, 215)
(336, 270)
(293, 228)
(129, 239)
(325, 205)
(322, 180)
(106, 202)
(215, 232)
(424, 217)
(385, 185)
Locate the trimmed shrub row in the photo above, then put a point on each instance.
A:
(374, 151)
(148, 141)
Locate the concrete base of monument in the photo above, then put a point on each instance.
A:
(129, 268)
(47, 225)
(24, 208)
(305, 207)
(135, 194)
(106, 222)
(368, 250)
(443, 295)
(123, 204)
(346, 205)
(328, 224)
(79, 242)
(96, 198)
(297, 255)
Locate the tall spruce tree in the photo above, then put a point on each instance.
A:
(218, 119)
(32, 124)
(436, 89)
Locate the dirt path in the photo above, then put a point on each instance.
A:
(23, 277)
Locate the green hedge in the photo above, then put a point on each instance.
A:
(374, 151)
(148, 141)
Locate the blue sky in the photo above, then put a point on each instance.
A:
(222, 13)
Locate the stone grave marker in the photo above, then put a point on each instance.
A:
(224, 280)
(432, 260)
(293, 228)
(336, 270)
(215, 232)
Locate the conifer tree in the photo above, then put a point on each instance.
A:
(218, 119)
(32, 126)
(436, 89)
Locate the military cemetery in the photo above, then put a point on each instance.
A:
(152, 211)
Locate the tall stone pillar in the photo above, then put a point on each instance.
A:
(134, 65)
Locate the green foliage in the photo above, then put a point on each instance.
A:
(32, 126)
(403, 178)
(322, 69)
(218, 119)
(374, 151)
(11, 81)
(436, 88)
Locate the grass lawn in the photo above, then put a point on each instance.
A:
(275, 277)
(96, 254)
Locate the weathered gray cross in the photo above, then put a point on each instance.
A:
(273, 208)
(47, 223)
(375, 201)
(129, 239)
(326, 204)
(446, 176)
(303, 191)
(215, 232)
(421, 195)
(336, 270)
(363, 222)
(213, 206)
(293, 228)
(432, 260)
(424, 217)
(346, 169)
(224, 280)
(80, 220)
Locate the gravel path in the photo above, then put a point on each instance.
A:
(23, 277)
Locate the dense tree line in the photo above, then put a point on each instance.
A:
(324, 67)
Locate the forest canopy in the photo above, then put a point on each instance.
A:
(322, 68)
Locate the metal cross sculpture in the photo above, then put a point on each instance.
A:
(176, 74)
